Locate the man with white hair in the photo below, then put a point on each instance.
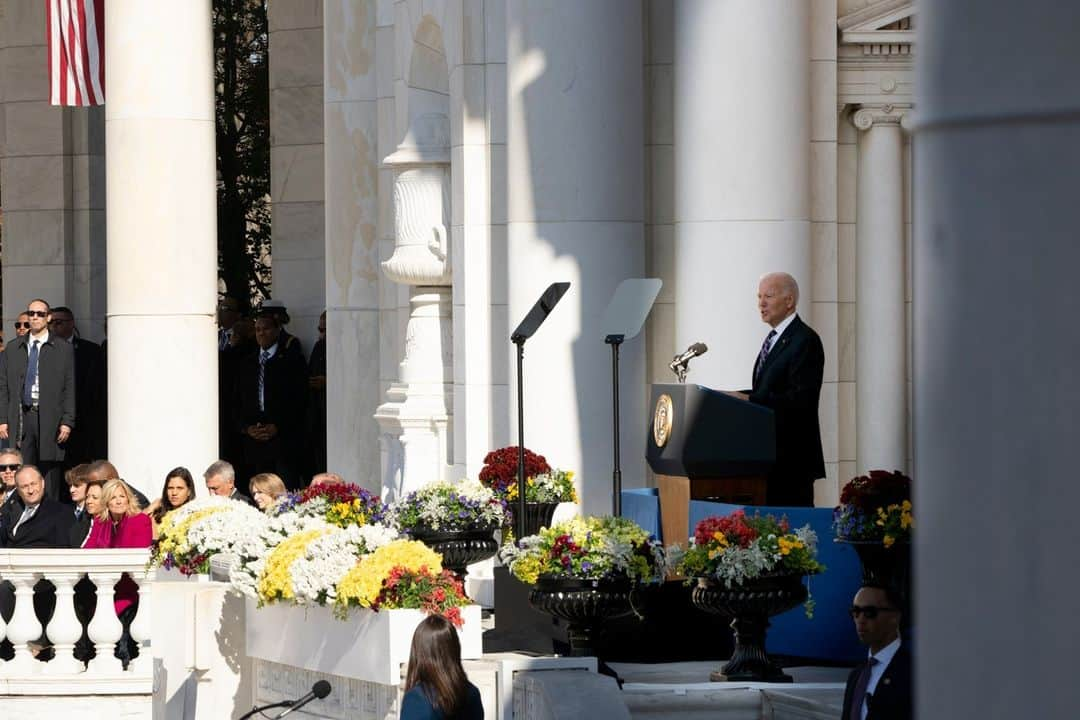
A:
(221, 481)
(787, 378)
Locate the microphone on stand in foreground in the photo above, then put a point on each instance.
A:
(318, 691)
(680, 362)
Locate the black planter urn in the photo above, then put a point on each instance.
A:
(750, 606)
(460, 548)
(886, 566)
(585, 605)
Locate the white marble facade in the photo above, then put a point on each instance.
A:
(588, 142)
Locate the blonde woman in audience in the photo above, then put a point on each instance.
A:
(265, 489)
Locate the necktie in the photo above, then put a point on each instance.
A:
(26, 515)
(31, 375)
(263, 357)
(765, 347)
(858, 695)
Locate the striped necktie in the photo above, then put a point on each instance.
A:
(765, 347)
(263, 357)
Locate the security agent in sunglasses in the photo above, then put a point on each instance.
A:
(880, 688)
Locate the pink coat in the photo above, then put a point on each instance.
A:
(133, 531)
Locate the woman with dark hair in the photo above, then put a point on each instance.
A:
(179, 489)
(435, 685)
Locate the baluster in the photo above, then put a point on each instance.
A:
(3, 630)
(64, 629)
(24, 626)
(105, 628)
(140, 626)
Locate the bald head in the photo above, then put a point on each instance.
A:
(30, 484)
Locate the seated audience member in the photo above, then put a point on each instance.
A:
(101, 471)
(880, 688)
(10, 462)
(265, 489)
(435, 685)
(77, 486)
(179, 490)
(327, 478)
(221, 480)
(122, 524)
(41, 523)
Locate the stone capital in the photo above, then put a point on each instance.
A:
(868, 116)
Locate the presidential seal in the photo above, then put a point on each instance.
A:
(662, 418)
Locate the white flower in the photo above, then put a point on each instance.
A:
(315, 575)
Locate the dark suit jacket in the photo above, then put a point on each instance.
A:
(80, 528)
(50, 527)
(88, 441)
(891, 699)
(789, 382)
(56, 390)
(416, 706)
(284, 391)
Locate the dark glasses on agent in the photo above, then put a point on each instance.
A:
(870, 612)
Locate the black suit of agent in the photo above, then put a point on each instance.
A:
(88, 442)
(284, 395)
(35, 428)
(891, 699)
(48, 527)
(789, 382)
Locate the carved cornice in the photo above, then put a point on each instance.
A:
(884, 28)
(869, 116)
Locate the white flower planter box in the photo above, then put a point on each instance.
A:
(369, 646)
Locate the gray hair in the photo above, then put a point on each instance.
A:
(11, 451)
(786, 282)
(222, 469)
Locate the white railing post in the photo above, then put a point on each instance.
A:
(105, 629)
(64, 629)
(140, 626)
(24, 627)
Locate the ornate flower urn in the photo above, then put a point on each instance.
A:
(888, 566)
(750, 606)
(584, 604)
(459, 548)
(537, 515)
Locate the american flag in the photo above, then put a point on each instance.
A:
(76, 32)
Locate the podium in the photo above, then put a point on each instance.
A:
(706, 445)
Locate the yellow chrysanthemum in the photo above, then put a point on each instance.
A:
(888, 541)
(275, 581)
(789, 543)
(363, 583)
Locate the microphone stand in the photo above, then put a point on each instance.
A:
(251, 713)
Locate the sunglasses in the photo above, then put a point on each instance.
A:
(9, 468)
(870, 612)
(38, 313)
(22, 325)
(59, 321)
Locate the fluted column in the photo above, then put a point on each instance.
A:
(881, 325)
(162, 238)
(742, 173)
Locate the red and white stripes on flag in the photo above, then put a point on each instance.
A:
(76, 32)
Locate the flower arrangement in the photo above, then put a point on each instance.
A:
(327, 559)
(402, 574)
(252, 555)
(589, 548)
(738, 547)
(500, 469)
(341, 505)
(448, 507)
(549, 487)
(875, 508)
(193, 533)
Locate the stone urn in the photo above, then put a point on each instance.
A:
(537, 515)
(887, 566)
(459, 548)
(750, 606)
(585, 605)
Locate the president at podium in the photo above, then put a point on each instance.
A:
(787, 379)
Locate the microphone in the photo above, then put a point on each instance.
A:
(678, 364)
(319, 690)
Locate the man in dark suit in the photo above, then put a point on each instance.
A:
(220, 480)
(787, 378)
(10, 462)
(269, 402)
(880, 688)
(37, 396)
(88, 440)
(41, 522)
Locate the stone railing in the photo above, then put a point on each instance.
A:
(24, 569)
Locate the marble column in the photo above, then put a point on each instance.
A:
(296, 162)
(352, 252)
(742, 173)
(575, 163)
(162, 248)
(881, 324)
(997, 165)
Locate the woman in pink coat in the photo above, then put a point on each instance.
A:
(121, 524)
